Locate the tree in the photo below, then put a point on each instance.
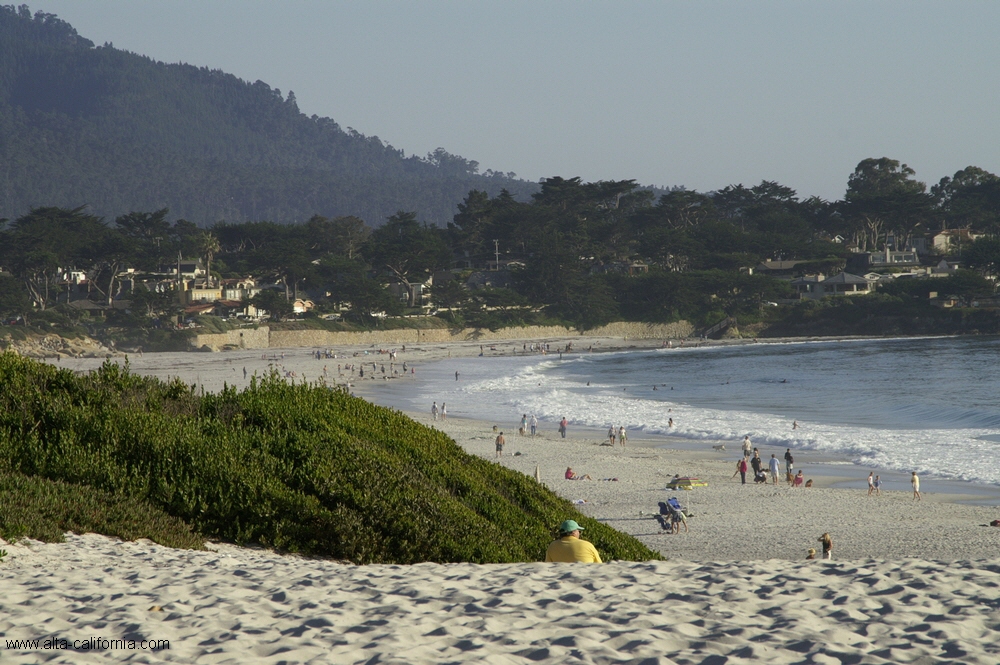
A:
(882, 193)
(151, 303)
(46, 240)
(984, 255)
(408, 250)
(970, 199)
(14, 300)
(207, 245)
(270, 301)
(148, 234)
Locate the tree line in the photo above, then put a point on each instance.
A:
(580, 253)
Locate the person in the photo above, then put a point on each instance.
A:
(741, 468)
(534, 424)
(570, 475)
(523, 431)
(622, 436)
(747, 446)
(562, 426)
(915, 481)
(799, 479)
(434, 411)
(756, 463)
(500, 443)
(827, 544)
(871, 483)
(773, 464)
(789, 461)
(670, 422)
(569, 548)
(611, 435)
(811, 554)
(878, 486)
(456, 375)
(444, 411)
(795, 424)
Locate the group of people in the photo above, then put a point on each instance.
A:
(620, 434)
(441, 412)
(528, 425)
(751, 459)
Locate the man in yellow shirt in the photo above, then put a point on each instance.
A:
(569, 548)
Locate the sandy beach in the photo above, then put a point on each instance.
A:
(912, 582)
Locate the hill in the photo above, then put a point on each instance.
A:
(85, 124)
(296, 467)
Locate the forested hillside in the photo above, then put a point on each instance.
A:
(119, 132)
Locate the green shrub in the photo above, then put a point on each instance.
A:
(295, 467)
(46, 509)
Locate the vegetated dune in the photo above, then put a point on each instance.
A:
(301, 468)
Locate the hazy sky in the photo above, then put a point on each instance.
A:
(701, 94)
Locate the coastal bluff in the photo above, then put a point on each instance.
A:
(264, 338)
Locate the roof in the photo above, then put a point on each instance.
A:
(779, 265)
(845, 278)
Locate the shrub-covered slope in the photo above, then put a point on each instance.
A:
(296, 467)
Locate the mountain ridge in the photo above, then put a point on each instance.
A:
(85, 124)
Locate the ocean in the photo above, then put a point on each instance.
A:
(930, 405)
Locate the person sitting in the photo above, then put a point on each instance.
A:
(568, 548)
(572, 476)
(799, 479)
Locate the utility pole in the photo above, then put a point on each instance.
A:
(496, 249)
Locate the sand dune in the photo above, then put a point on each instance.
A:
(236, 605)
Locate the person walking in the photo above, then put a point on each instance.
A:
(568, 548)
(434, 411)
(878, 486)
(774, 465)
(534, 424)
(622, 436)
(915, 481)
(871, 483)
(611, 435)
(500, 443)
(562, 426)
(747, 446)
(444, 411)
(789, 461)
(523, 431)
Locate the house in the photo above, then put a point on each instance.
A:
(951, 240)
(200, 293)
(301, 306)
(242, 288)
(865, 261)
(813, 287)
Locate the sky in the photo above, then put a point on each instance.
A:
(696, 94)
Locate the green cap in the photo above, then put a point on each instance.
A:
(569, 526)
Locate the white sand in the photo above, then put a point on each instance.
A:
(910, 582)
(239, 605)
